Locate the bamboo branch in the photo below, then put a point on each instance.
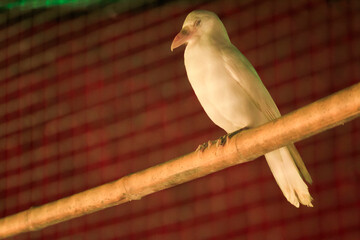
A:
(242, 147)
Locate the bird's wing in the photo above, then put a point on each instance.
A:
(244, 73)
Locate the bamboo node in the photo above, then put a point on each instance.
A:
(128, 195)
(30, 221)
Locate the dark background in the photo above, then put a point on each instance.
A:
(90, 92)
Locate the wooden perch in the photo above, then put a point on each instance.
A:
(242, 147)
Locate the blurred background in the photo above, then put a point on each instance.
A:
(90, 92)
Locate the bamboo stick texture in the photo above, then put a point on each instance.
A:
(242, 147)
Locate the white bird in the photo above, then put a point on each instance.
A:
(233, 96)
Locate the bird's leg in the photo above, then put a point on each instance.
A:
(222, 140)
(237, 131)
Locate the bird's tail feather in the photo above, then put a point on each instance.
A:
(288, 177)
(299, 163)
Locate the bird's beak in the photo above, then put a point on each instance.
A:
(181, 38)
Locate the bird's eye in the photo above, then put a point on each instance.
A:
(197, 23)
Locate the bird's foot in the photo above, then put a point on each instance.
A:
(224, 139)
(219, 142)
(201, 147)
(205, 145)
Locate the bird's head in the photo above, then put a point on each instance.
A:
(199, 24)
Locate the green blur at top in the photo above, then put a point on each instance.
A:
(10, 4)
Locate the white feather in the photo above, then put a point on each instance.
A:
(233, 96)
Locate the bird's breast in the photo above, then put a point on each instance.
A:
(205, 71)
(220, 95)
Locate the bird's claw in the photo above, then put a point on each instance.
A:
(219, 142)
(203, 146)
(222, 140)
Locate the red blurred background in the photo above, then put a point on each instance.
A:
(90, 94)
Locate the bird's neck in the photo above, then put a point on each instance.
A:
(209, 41)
